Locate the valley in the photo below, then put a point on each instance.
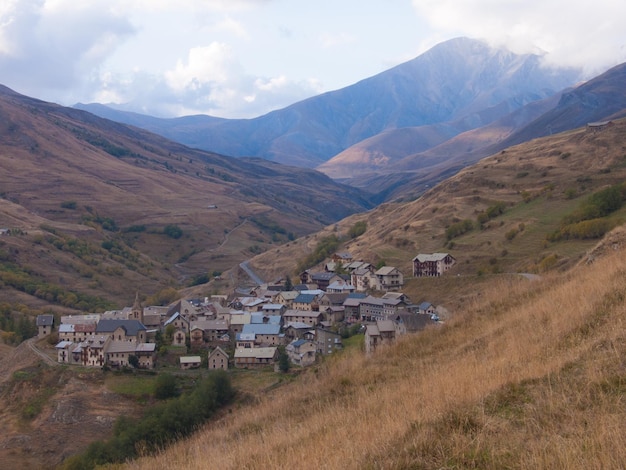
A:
(520, 367)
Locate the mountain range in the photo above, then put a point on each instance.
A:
(456, 86)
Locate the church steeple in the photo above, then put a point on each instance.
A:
(137, 312)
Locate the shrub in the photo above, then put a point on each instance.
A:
(165, 387)
(68, 205)
(358, 229)
(173, 231)
(459, 228)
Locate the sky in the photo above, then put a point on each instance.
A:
(244, 58)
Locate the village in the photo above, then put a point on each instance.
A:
(251, 328)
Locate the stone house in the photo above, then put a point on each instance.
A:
(76, 332)
(218, 359)
(372, 309)
(379, 333)
(265, 334)
(45, 325)
(122, 330)
(305, 302)
(301, 352)
(327, 342)
(254, 358)
(311, 318)
(432, 264)
(190, 362)
(389, 278)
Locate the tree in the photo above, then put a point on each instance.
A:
(288, 283)
(283, 360)
(133, 361)
(165, 387)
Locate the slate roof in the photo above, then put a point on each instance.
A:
(261, 329)
(304, 299)
(259, 353)
(45, 320)
(132, 327)
(423, 257)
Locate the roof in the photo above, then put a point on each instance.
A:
(323, 276)
(340, 285)
(146, 347)
(121, 347)
(289, 294)
(385, 325)
(45, 320)
(259, 353)
(386, 270)
(299, 342)
(218, 350)
(304, 299)
(173, 318)
(240, 318)
(302, 313)
(245, 337)
(257, 318)
(298, 325)
(371, 300)
(372, 330)
(63, 344)
(132, 327)
(190, 359)
(425, 305)
(352, 302)
(424, 257)
(261, 329)
(273, 306)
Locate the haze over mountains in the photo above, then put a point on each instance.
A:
(456, 86)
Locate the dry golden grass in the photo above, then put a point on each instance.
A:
(531, 375)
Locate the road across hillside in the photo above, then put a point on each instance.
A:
(256, 279)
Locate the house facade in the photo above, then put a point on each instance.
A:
(389, 278)
(432, 264)
(301, 352)
(255, 358)
(218, 359)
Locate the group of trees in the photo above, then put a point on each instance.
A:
(161, 425)
(589, 220)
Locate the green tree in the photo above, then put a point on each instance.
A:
(133, 361)
(165, 387)
(283, 360)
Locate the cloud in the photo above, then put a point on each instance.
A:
(46, 46)
(573, 33)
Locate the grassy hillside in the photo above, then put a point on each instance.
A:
(513, 201)
(529, 375)
(100, 209)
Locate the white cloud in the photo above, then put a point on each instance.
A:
(44, 45)
(204, 65)
(574, 33)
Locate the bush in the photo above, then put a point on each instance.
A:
(165, 387)
(357, 229)
(173, 231)
(459, 228)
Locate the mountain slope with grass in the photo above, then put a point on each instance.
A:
(529, 374)
(97, 210)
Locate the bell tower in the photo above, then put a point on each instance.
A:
(137, 311)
